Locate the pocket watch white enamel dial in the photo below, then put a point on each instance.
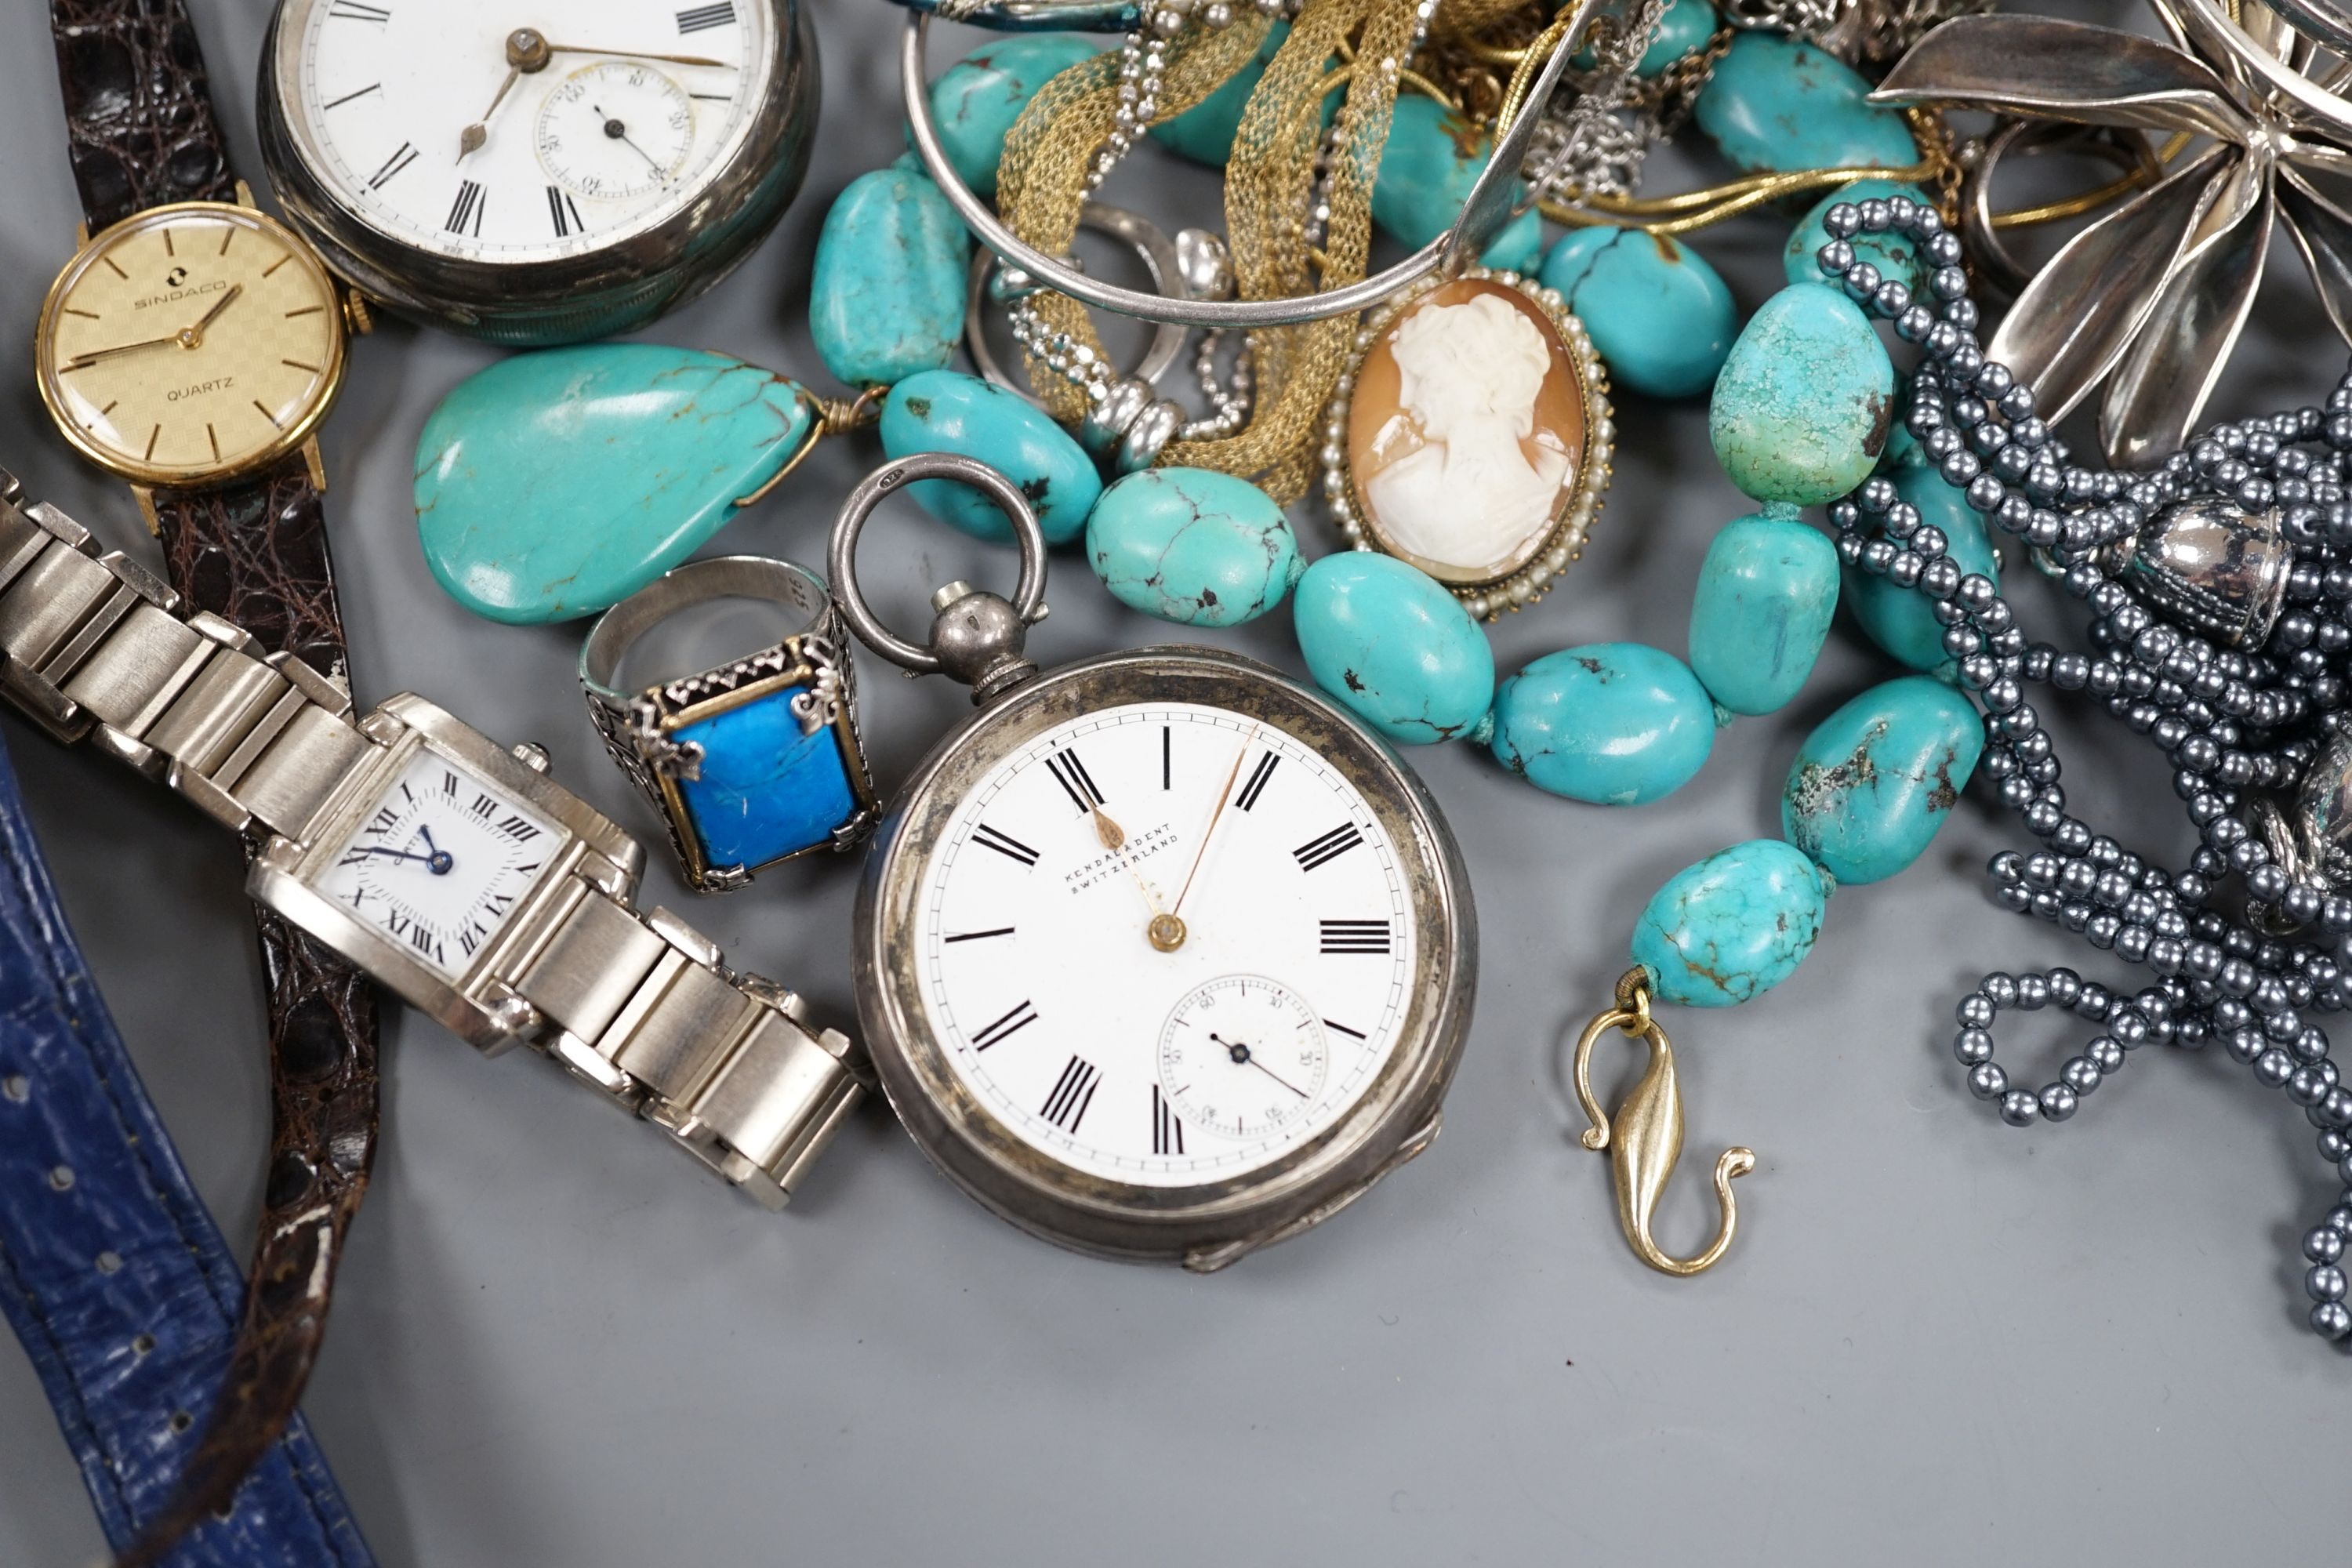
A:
(536, 172)
(1162, 955)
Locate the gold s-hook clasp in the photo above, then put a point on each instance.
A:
(1645, 1138)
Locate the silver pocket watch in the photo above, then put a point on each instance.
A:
(542, 175)
(1161, 954)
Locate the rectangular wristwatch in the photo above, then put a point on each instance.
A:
(445, 866)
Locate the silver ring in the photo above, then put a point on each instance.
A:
(840, 556)
(1490, 207)
(1143, 235)
(683, 587)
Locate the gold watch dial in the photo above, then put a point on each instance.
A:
(190, 343)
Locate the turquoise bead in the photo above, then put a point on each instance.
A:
(1896, 256)
(1803, 403)
(1766, 593)
(766, 790)
(1902, 620)
(1875, 779)
(1683, 27)
(888, 295)
(1205, 132)
(1394, 646)
(1193, 546)
(975, 101)
(1425, 176)
(1774, 104)
(1732, 927)
(947, 411)
(1660, 317)
(1612, 723)
(554, 484)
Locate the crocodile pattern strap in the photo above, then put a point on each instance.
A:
(254, 553)
(257, 555)
(139, 111)
(111, 1272)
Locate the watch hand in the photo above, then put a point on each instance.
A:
(209, 317)
(619, 131)
(93, 357)
(470, 139)
(1243, 1055)
(440, 859)
(1201, 853)
(397, 853)
(639, 55)
(1164, 931)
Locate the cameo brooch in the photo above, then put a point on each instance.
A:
(1470, 437)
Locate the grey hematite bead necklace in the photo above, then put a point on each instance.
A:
(2230, 722)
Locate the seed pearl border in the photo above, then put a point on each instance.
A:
(1571, 522)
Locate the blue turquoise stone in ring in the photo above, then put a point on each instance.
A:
(554, 484)
(766, 789)
(1732, 927)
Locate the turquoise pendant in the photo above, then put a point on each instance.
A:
(947, 411)
(1876, 779)
(886, 299)
(1425, 177)
(1392, 645)
(1766, 593)
(1775, 104)
(1193, 546)
(554, 484)
(1803, 405)
(1732, 927)
(1610, 723)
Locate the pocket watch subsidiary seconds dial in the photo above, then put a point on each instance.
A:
(532, 171)
(1163, 954)
(190, 343)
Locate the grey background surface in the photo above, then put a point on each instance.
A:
(556, 1342)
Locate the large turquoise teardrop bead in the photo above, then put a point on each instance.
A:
(947, 411)
(888, 295)
(975, 101)
(1426, 173)
(1897, 255)
(1875, 779)
(1903, 620)
(1766, 593)
(1803, 405)
(1612, 723)
(1659, 315)
(1779, 105)
(554, 484)
(1194, 546)
(1732, 927)
(1394, 646)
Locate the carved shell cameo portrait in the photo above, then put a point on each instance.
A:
(1471, 438)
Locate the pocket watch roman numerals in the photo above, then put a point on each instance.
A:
(1322, 851)
(702, 18)
(1259, 777)
(465, 212)
(1167, 1126)
(1004, 844)
(1076, 781)
(1074, 1094)
(1017, 1017)
(1355, 936)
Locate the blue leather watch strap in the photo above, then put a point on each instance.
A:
(111, 1271)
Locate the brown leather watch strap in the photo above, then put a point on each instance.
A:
(255, 551)
(138, 111)
(142, 131)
